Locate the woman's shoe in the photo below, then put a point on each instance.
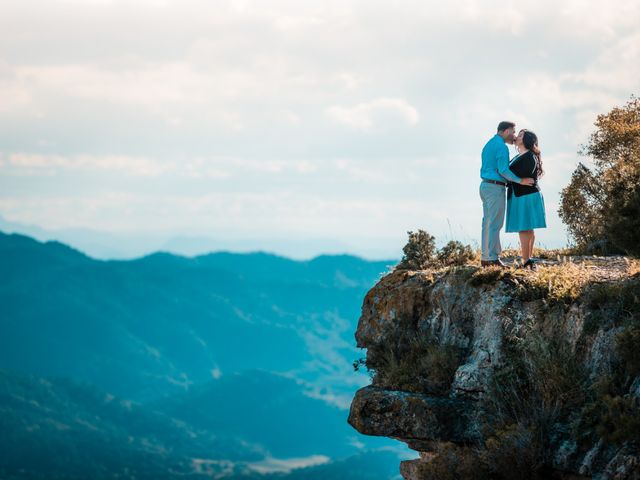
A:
(530, 264)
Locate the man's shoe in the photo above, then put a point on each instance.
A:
(492, 263)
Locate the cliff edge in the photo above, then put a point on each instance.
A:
(505, 373)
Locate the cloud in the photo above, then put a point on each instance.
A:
(13, 96)
(498, 17)
(377, 113)
(26, 163)
(616, 67)
(288, 116)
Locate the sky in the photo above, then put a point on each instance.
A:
(296, 127)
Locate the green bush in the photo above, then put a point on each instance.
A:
(419, 252)
(620, 421)
(615, 419)
(612, 304)
(624, 228)
(455, 253)
(539, 384)
(600, 207)
(628, 346)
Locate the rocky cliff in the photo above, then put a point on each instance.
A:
(504, 373)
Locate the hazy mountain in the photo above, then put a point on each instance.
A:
(269, 410)
(155, 325)
(60, 428)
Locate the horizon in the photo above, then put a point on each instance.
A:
(44, 241)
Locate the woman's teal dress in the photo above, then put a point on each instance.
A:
(525, 205)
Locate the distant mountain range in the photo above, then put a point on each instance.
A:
(158, 324)
(127, 245)
(240, 360)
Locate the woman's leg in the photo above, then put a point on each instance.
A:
(524, 244)
(532, 239)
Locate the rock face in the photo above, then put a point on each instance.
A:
(413, 416)
(504, 374)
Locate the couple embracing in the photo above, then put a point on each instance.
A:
(515, 181)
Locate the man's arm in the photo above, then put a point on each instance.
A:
(503, 165)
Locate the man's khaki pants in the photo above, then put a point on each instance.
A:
(493, 206)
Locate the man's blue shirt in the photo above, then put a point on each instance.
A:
(495, 161)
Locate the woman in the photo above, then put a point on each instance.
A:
(525, 204)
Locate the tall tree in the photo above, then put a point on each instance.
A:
(600, 205)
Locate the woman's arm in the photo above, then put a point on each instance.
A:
(524, 165)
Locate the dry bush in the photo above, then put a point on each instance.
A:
(422, 366)
(558, 283)
(414, 361)
(512, 453)
(539, 384)
(454, 462)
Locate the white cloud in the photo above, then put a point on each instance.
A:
(49, 164)
(13, 96)
(616, 67)
(379, 112)
(245, 115)
(496, 15)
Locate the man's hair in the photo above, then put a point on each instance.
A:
(504, 125)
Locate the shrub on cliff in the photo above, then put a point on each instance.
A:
(420, 253)
(610, 414)
(512, 449)
(455, 253)
(425, 366)
(624, 227)
(539, 384)
(412, 360)
(627, 343)
(600, 207)
(453, 462)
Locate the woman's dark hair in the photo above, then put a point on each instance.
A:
(530, 142)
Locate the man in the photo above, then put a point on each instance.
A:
(495, 174)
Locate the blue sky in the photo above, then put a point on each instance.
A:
(299, 127)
